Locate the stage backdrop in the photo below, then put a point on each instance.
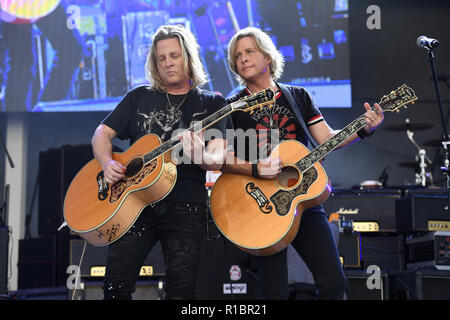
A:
(83, 55)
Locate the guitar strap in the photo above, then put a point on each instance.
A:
(295, 109)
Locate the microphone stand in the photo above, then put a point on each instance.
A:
(445, 140)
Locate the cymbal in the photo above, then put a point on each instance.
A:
(407, 126)
(433, 143)
(409, 164)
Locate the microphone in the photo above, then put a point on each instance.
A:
(427, 43)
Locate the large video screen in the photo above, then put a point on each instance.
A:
(83, 55)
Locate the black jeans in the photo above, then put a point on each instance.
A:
(180, 229)
(315, 244)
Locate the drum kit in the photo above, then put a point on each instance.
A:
(422, 163)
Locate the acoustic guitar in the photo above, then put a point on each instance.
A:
(101, 213)
(262, 216)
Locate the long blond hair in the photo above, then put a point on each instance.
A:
(264, 44)
(190, 53)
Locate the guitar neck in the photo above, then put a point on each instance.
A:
(197, 127)
(324, 149)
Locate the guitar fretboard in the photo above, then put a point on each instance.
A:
(197, 127)
(325, 148)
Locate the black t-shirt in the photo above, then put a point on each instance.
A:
(144, 110)
(280, 117)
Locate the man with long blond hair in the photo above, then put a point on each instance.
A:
(171, 103)
(258, 64)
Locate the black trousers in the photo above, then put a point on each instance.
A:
(315, 244)
(180, 229)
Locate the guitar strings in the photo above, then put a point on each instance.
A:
(287, 173)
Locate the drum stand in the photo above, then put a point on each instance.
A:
(422, 158)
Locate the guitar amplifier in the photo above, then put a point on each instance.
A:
(430, 250)
(419, 213)
(146, 289)
(386, 251)
(43, 261)
(349, 248)
(94, 260)
(370, 210)
(358, 288)
(420, 284)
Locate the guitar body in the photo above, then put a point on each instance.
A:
(262, 216)
(101, 213)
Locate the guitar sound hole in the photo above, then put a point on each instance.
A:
(134, 166)
(288, 177)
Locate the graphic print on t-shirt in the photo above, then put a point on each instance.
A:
(160, 121)
(276, 123)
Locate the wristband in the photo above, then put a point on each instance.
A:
(255, 170)
(364, 134)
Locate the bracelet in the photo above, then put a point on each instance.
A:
(255, 170)
(364, 134)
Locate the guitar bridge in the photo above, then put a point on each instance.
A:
(256, 193)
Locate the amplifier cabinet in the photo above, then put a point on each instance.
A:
(146, 289)
(429, 250)
(360, 286)
(43, 261)
(420, 284)
(365, 206)
(94, 260)
(415, 213)
(349, 247)
(387, 252)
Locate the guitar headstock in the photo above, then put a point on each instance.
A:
(398, 98)
(256, 100)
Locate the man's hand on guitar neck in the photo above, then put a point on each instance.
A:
(373, 117)
(209, 158)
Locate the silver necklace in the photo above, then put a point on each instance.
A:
(176, 105)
